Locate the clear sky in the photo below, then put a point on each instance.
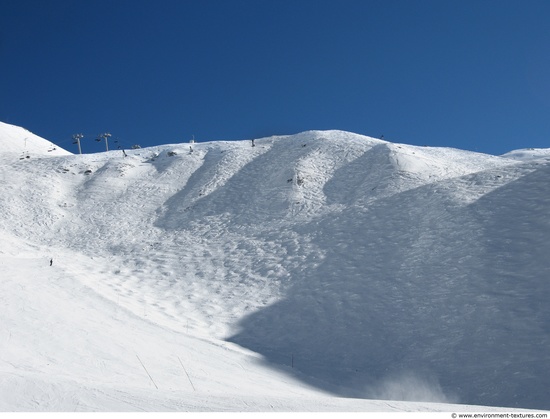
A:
(470, 74)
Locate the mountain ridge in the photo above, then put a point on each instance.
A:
(369, 268)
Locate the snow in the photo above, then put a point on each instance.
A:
(25, 144)
(324, 271)
(528, 154)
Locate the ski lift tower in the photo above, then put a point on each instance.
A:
(77, 138)
(105, 137)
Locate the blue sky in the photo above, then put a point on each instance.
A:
(468, 74)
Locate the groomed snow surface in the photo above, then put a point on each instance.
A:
(324, 271)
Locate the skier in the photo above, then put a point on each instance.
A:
(253, 145)
(51, 262)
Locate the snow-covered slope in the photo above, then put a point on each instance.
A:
(528, 154)
(25, 144)
(289, 274)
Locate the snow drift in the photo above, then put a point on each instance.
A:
(314, 265)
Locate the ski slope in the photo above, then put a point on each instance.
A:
(324, 271)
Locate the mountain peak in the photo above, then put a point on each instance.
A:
(14, 139)
(321, 263)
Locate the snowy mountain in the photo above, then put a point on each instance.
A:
(318, 271)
